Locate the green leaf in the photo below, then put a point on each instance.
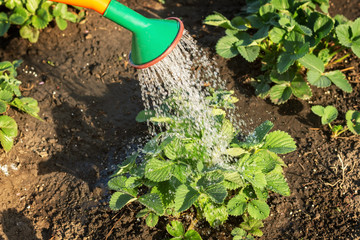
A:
(152, 219)
(118, 200)
(237, 205)
(353, 121)
(215, 214)
(255, 177)
(142, 213)
(300, 88)
(32, 5)
(277, 183)
(119, 184)
(17, 18)
(61, 23)
(276, 34)
(27, 105)
(185, 197)
(317, 79)
(6, 96)
(312, 62)
(284, 61)
(279, 142)
(280, 4)
(218, 20)
(217, 193)
(41, 19)
(158, 171)
(318, 110)
(280, 93)
(235, 152)
(60, 10)
(261, 131)
(8, 131)
(30, 33)
(239, 23)
(343, 33)
(226, 47)
(339, 79)
(3, 107)
(250, 53)
(235, 178)
(153, 202)
(145, 115)
(71, 17)
(322, 25)
(4, 23)
(176, 229)
(238, 233)
(192, 235)
(11, 4)
(258, 209)
(328, 115)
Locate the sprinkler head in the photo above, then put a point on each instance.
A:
(156, 42)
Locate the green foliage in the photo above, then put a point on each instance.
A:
(10, 96)
(34, 15)
(292, 38)
(329, 114)
(177, 230)
(175, 174)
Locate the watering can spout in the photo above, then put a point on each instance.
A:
(153, 39)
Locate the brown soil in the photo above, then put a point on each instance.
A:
(58, 168)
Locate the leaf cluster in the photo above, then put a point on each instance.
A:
(34, 15)
(177, 230)
(292, 38)
(10, 96)
(329, 113)
(179, 173)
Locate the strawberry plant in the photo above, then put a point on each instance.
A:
(292, 38)
(177, 230)
(35, 15)
(10, 96)
(171, 174)
(329, 113)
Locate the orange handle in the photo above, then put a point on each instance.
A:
(98, 5)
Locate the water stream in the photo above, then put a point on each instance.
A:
(185, 73)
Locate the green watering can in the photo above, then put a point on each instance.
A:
(153, 39)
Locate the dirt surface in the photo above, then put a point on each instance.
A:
(55, 183)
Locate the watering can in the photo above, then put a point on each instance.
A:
(153, 39)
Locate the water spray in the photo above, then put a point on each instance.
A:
(153, 39)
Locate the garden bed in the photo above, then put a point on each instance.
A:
(54, 179)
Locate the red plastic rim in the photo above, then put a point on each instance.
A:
(168, 50)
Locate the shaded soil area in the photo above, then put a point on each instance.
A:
(54, 179)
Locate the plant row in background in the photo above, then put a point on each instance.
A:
(293, 39)
(170, 175)
(33, 15)
(10, 96)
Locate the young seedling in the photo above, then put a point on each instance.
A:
(10, 96)
(177, 230)
(292, 38)
(329, 114)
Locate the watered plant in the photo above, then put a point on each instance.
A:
(175, 171)
(329, 113)
(34, 15)
(10, 96)
(177, 230)
(292, 38)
